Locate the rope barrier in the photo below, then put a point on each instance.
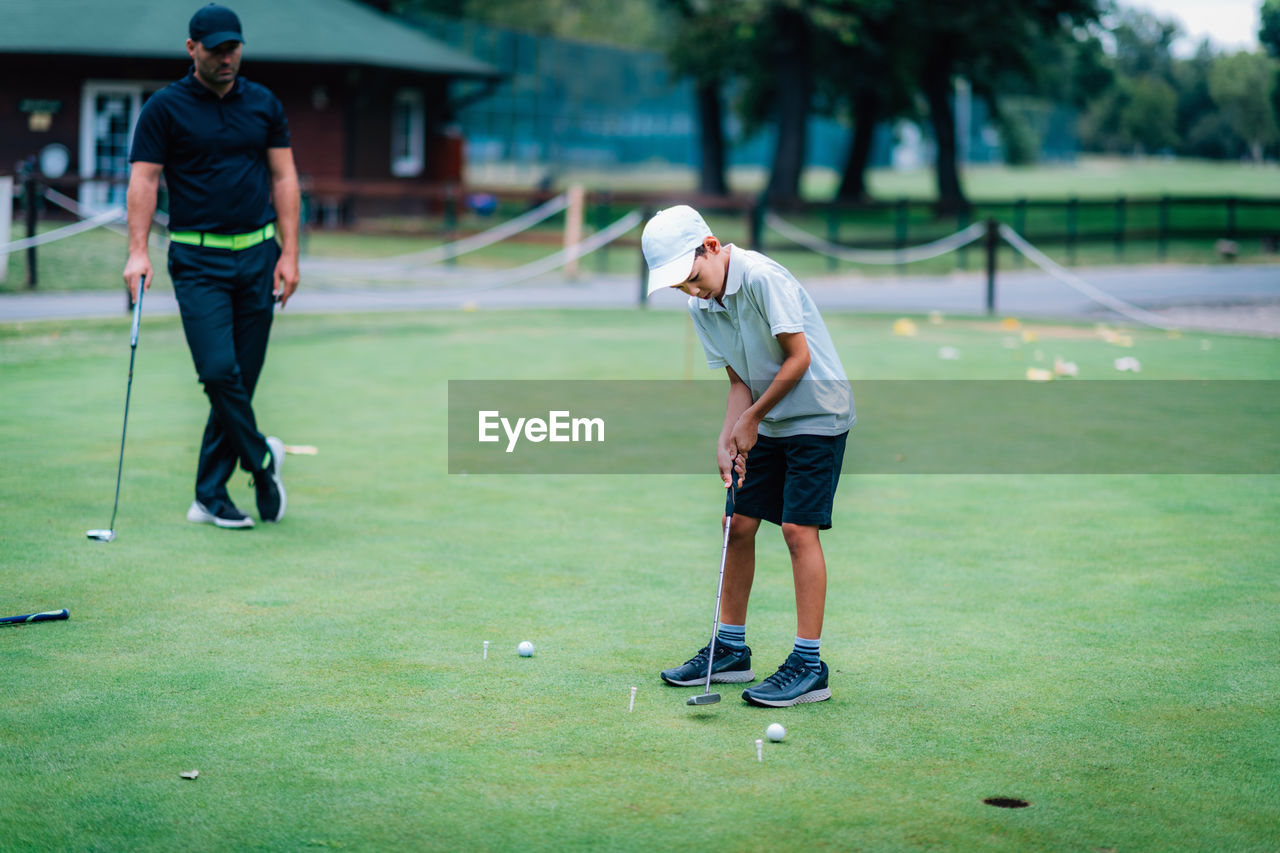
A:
(1040, 259)
(572, 253)
(872, 256)
(516, 275)
(112, 215)
(72, 206)
(436, 254)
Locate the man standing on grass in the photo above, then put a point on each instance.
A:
(222, 144)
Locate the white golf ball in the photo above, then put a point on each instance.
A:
(525, 649)
(775, 732)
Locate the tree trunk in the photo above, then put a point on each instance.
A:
(711, 140)
(936, 84)
(793, 79)
(853, 185)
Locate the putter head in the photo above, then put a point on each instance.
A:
(101, 535)
(704, 699)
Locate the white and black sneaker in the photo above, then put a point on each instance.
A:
(221, 513)
(269, 485)
(732, 666)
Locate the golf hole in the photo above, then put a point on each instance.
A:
(1006, 802)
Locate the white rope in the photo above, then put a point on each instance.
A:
(436, 254)
(69, 204)
(1054, 269)
(498, 233)
(566, 255)
(505, 278)
(112, 215)
(871, 256)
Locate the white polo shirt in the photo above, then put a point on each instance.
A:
(762, 300)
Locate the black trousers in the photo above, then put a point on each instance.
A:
(227, 306)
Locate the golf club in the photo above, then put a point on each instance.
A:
(47, 616)
(707, 697)
(110, 533)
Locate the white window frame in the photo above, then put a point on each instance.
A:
(98, 196)
(408, 151)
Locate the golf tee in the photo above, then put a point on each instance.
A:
(486, 650)
(759, 749)
(632, 705)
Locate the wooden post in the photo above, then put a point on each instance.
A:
(833, 234)
(1073, 204)
(573, 227)
(602, 222)
(1162, 241)
(900, 229)
(32, 214)
(755, 224)
(1020, 225)
(6, 220)
(451, 221)
(993, 235)
(1120, 226)
(644, 267)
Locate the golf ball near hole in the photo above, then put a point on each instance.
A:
(525, 649)
(775, 732)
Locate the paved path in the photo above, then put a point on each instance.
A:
(1025, 293)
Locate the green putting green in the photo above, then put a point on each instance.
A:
(1102, 647)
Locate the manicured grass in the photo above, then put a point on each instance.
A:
(1101, 646)
(1091, 176)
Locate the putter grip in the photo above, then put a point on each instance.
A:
(47, 616)
(137, 311)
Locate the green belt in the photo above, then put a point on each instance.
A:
(234, 242)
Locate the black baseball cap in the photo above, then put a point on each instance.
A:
(213, 25)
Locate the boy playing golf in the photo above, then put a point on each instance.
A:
(788, 414)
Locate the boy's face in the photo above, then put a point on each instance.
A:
(707, 278)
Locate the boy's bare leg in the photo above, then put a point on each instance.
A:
(739, 569)
(809, 569)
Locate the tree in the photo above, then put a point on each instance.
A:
(788, 53)
(1242, 85)
(696, 51)
(1150, 116)
(861, 76)
(1269, 30)
(981, 40)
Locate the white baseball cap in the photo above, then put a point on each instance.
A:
(669, 241)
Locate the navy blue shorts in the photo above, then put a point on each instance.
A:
(792, 480)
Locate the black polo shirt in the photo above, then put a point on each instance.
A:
(214, 153)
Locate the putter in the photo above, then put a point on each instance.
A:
(110, 533)
(707, 697)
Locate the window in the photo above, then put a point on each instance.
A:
(108, 114)
(408, 130)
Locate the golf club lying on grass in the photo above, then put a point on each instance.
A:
(707, 697)
(47, 616)
(110, 533)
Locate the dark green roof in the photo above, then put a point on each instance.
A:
(320, 31)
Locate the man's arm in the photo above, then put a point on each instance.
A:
(284, 195)
(144, 180)
(795, 361)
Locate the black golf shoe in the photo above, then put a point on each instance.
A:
(793, 684)
(731, 666)
(221, 513)
(269, 485)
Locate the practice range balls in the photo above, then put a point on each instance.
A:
(775, 732)
(525, 649)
